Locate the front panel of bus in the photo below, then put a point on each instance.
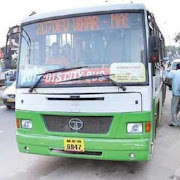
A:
(108, 117)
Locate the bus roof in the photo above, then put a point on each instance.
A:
(89, 9)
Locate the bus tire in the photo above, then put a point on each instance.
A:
(164, 94)
(158, 116)
(157, 120)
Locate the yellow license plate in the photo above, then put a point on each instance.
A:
(10, 100)
(74, 145)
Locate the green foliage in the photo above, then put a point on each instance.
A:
(177, 37)
(173, 51)
(172, 48)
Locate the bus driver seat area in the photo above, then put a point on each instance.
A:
(58, 56)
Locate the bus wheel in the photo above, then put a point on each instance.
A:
(158, 116)
(157, 120)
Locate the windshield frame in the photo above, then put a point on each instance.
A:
(144, 30)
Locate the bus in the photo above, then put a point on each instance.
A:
(89, 83)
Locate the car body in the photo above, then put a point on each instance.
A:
(9, 96)
(2, 78)
(10, 77)
(174, 63)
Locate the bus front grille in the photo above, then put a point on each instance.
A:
(81, 124)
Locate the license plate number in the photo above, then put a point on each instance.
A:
(74, 145)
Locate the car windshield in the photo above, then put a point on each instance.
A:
(106, 44)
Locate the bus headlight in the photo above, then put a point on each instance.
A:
(134, 128)
(26, 124)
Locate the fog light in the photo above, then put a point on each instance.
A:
(17, 123)
(148, 127)
(26, 124)
(132, 156)
(134, 128)
(26, 148)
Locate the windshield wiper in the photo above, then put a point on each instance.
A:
(107, 76)
(52, 71)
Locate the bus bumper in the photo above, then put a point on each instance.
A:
(102, 149)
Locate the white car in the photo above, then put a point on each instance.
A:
(174, 64)
(10, 77)
(8, 96)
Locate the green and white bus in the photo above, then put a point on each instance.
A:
(89, 83)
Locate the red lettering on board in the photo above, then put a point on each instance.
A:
(119, 20)
(57, 78)
(77, 24)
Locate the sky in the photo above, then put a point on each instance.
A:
(12, 12)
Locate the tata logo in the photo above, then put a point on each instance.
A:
(75, 124)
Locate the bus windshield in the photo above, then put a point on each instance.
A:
(106, 44)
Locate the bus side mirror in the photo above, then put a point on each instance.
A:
(153, 49)
(6, 58)
(12, 34)
(7, 64)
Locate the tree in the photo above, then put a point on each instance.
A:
(177, 37)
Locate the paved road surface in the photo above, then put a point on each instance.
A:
(14, 165)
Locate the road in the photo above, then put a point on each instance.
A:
(14, 165)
